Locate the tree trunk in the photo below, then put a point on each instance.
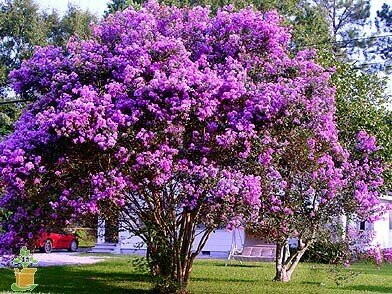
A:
(171, 255)
(170, 238)
(282, 254)
(285, 263)
(282, 275)
(170, 271)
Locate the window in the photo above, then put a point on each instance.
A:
(362, 226)
(390, 220)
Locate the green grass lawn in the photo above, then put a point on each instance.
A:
(209, 276)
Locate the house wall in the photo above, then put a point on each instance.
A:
(218, 245)
(220, 242)
(383, 229)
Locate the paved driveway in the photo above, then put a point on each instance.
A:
(67, 258)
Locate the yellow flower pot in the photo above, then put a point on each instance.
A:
(25, 277)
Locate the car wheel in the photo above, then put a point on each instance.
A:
(74, 246)
(48, 246)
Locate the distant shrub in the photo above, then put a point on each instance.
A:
(387, 255)
(329, 253)
(377, 255)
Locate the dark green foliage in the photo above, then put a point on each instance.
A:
(362, 103)
(327, 252)
(74, 22)
(22, 27)
(8, 115)
(117, 5)
(20, 30)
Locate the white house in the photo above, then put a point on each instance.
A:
(218, 245)
(220, 242)
(383, 227)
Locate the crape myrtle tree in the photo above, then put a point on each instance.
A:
(308, 22)
(361, 104)
(171, 118)
(311, 182)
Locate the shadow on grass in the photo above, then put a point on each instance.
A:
(229, 280)
(85, 280)
(239, 265)
(367, 288)
(311, 283)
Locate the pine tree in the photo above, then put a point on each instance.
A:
(383, 46)
(346, 19)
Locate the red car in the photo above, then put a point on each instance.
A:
(50, 241)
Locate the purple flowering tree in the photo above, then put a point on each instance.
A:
(311, 182)
(171, 119)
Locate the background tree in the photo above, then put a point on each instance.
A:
(119, 5)
(383, 47)
(22, 27)
(362, 103)
(346, 19)
(20, 30)
(74, 22)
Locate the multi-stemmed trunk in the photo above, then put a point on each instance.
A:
(285, 262)
(170, 236)
(171, 255)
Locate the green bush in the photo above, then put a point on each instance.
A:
(87, 237)
(327, 252)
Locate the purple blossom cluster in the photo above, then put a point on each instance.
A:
(378, 255)
(366, 142)
(387, 255)
(175, 103)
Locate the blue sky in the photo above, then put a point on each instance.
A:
(99, 6)
(95, 6)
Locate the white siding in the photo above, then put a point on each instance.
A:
(219, 241)
(383, 230)
(128, 241)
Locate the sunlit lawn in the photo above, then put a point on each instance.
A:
(209, 276)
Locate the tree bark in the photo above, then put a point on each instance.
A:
(170, 255)
(285, 263)
(282, 254)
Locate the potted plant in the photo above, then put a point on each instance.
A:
(25, 276)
